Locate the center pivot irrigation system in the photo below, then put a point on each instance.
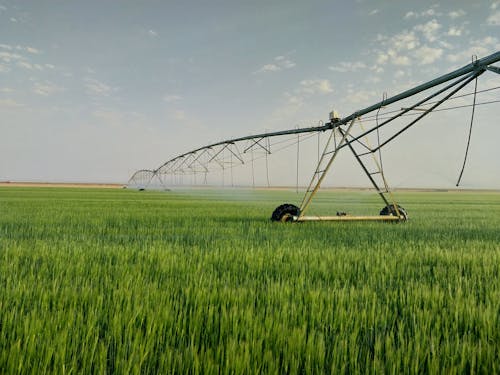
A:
(360, 133)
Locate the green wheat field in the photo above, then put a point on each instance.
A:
(201, 281)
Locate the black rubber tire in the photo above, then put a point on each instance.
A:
(391, 211)
(285, 212)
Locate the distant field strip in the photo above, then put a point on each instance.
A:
(200, 281)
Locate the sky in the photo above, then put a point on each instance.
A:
(91, 91)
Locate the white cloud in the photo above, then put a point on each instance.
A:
(393, 57)
(279, 63)
(152, 33)
(172, 98)
(14, 55)
(287, 64)
(315, 86)
(295, 100)
(46, 88)
(407, 47)
(9, 103)
(488, 41)
(373, 12)
(29, 66)
(9, 56)
(495, 5)
(345, 66)
(406, 40)
(96, 87)
(377, 69)
(361, 96)
(478, 47)
(427, 55)
(29, 49)
(12, 19)
(382, 58)
(454, 31)
(401, 60)
(429, 30)
(494, 19)
(446, 45)
(410, 14)
(395, 50)
(32, 50)
(4, 68)
(306, 89)
(456, 13)
(269, 68)
(431, 12)
(26, 65)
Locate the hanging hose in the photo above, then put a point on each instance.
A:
(470, 133)
(232, 166)
(253, 170)
(297, 177)
(267, 165)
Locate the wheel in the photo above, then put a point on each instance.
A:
(285, 212)
(390, 210)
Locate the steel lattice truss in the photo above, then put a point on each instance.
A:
(365, 133)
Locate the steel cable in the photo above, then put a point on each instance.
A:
(470, 133)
